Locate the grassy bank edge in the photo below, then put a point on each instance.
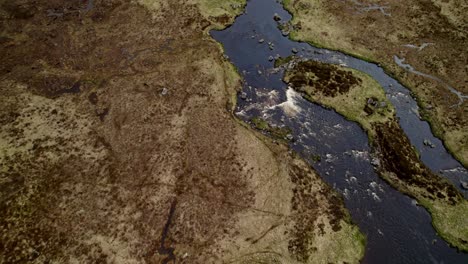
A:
(232, 87)
(349, 226)
(440, 216)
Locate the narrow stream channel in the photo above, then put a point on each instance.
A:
(398, 230)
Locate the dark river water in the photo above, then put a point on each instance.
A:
(398, 230)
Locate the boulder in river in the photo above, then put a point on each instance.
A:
(375, 162)
(271, 45)
(428, 143)
(294, 50)
(464, 185)
(261, 40)
(276, 17)
(243, 95)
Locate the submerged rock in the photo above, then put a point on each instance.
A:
(428, 143)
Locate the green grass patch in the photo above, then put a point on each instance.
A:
(280, 133)
(283, 60)
(221, 12)
(450, 222)
(316, 158)
(352, 104)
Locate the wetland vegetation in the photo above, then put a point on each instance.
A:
(365, 30)
(362, 99)
(118, 141)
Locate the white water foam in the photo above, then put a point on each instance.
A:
(290, 106)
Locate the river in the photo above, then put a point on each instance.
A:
(398, 230)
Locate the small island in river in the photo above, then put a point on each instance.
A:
(361, 99)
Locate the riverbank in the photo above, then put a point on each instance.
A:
(379, 32)
(116, 145)
(359, 98)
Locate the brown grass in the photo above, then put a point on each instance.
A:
(93, 153)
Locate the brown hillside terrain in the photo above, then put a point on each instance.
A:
(117, 145)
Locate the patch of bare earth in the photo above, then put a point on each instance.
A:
(117, 146)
